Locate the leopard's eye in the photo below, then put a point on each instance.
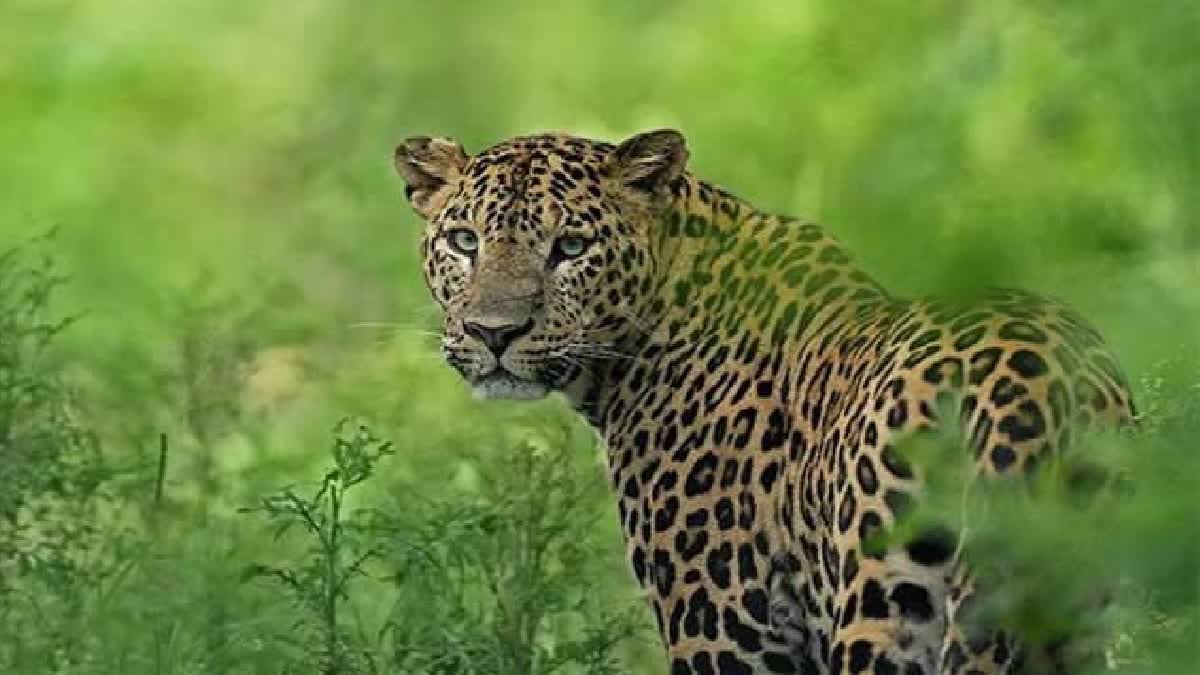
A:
(463, 241)
(570, 246)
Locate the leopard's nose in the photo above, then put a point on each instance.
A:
(497, 338)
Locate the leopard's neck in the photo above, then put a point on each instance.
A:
(731, 274)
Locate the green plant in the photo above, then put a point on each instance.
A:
(501, 580)
(1100, 545)
(339, 547)
(494, 582)
(50, 470)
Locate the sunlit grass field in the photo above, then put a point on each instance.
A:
(212, 182)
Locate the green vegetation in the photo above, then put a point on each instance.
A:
(241, 273)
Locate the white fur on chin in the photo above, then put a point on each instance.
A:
(509, 388)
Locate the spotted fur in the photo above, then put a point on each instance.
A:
(751, 384)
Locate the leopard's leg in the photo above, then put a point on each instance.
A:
(969, 647)
(890, 616)
(972, 647)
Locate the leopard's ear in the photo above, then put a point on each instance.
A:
(650, 162)
(429, 166)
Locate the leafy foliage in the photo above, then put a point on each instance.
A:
(491, 583)
(50, 470)
(338, 550)
(496, 583)
(1100, 544)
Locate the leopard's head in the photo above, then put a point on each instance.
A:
(541, 250)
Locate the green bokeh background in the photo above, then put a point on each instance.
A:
(219, 174)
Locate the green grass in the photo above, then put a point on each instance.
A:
(243, 274)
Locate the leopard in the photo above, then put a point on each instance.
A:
(752, 389)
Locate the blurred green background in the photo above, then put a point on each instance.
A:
(218, 177)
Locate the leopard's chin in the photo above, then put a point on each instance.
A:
(504, 386)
